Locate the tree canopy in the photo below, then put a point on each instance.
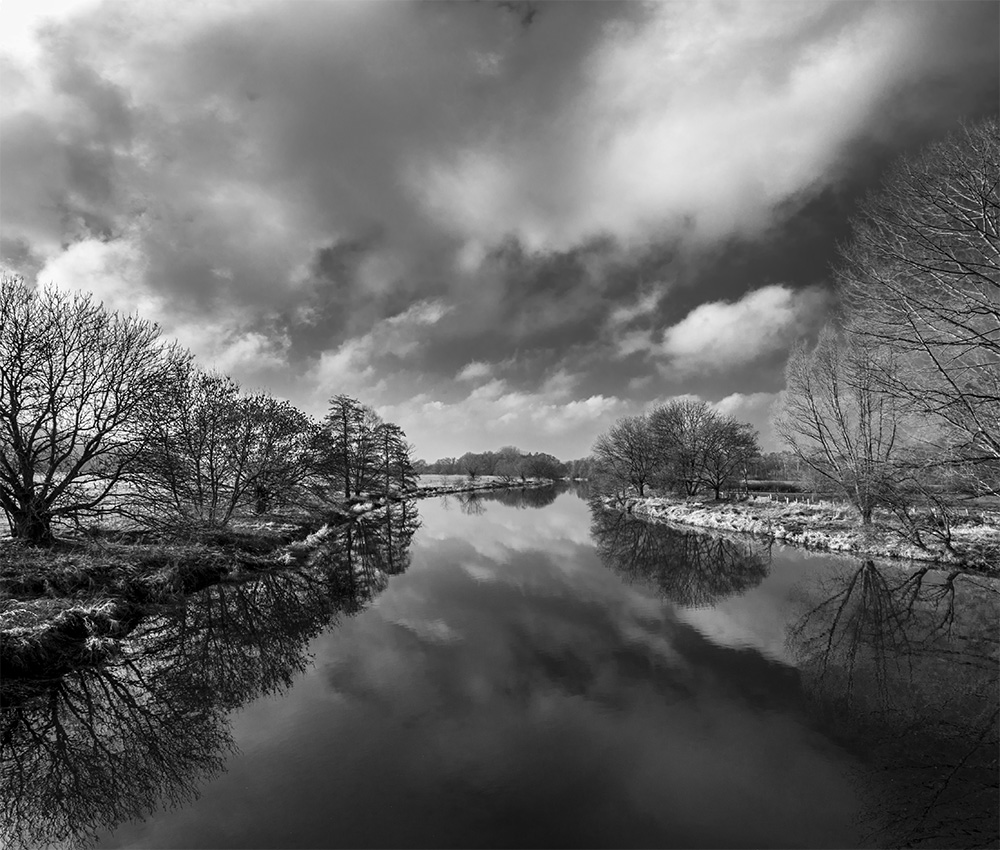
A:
(77, 384)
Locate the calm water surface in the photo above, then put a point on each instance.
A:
(522, 672)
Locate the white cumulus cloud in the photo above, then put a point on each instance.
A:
(721, 333)
(474, 370)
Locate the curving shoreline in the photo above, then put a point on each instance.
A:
(817, 528)
(48, 632)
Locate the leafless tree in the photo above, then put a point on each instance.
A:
(77, 383)
(346, 446)
(837, 419)
(394, 462)
(280, 454)
(214, 449)
(681, 431)
(730, 448)
(472, 464)
(509, 463)
(627, 452)
(921, 276)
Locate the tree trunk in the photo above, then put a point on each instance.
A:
(262, 500)
(32, 527)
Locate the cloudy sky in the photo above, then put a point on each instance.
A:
(495, 222)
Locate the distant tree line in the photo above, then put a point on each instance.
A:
(99, 414)
(509, 463)
(682, 446)
(897, 406)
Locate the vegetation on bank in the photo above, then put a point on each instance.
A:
(148, 728)
(69, 604)
(895, 411)
(101, 419)
(826, 526)
(130, 477)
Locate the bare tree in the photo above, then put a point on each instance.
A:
(472, 464)
(509, 463)
(681, 430)
(77, 383)
(836, 418)
(627, 452)
(280, 456)
(346, 446)
(730, 447)
(921, 275)
(395, 466)
(198, 468)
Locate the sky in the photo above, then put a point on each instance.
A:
(496, 223)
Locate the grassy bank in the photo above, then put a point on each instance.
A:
(825, 527)
(70, 604)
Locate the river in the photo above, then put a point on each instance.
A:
(519, 670)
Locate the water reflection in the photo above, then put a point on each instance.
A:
(359, 559)
(691, 569)
(510, 690)
(474, 503)
(96, 747)
(903, 664)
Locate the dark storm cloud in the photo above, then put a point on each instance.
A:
(378, 197)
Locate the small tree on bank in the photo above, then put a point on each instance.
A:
(731, 447)
(354, 451)
(627, 453)
(214, 450)
(77, 384)
(395, 466)
(344, 448)
(281, 460)
(835, 417)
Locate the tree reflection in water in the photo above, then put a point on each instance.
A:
(96, 747)
(474, 502)
(359, 558)
(691, 569)
(904, 664)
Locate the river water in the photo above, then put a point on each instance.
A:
(524, 671)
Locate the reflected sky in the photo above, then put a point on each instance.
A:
(511, 690)
(524, 672)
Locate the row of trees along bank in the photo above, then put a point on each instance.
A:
(683, 446)
(100, 415)
(897, 406)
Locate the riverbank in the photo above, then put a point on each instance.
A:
(69, 605)
(830, 528)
